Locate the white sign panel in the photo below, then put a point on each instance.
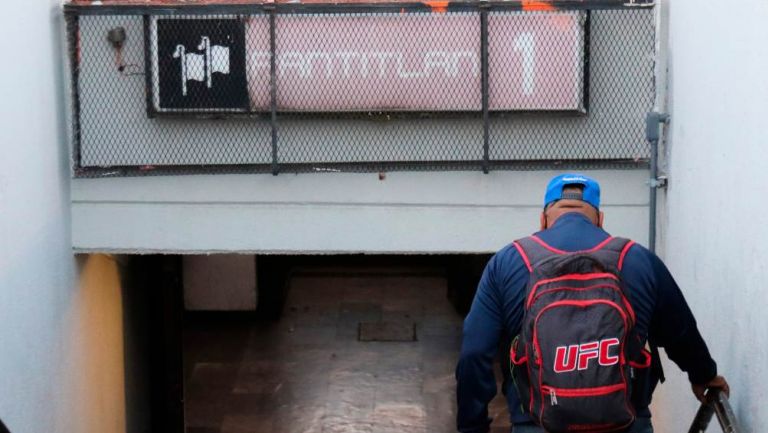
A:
(400, 62)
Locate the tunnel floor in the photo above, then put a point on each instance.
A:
(310, 373)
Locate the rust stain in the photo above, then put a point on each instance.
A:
(438, 6)
(534, 5)
(221, 2)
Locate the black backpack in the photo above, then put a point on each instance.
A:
(575, 356)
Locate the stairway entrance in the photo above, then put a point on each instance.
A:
(359, 348)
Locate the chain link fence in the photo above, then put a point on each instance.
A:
(365, 87)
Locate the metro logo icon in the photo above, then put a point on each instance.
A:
(198, 65)
(569, 358)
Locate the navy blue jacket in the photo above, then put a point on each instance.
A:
(497, 310)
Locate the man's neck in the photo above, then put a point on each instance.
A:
(570, 216)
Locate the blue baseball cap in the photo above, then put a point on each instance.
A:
(590, 193)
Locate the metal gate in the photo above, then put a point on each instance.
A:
(292, 87)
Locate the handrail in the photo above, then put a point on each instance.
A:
(717, 403)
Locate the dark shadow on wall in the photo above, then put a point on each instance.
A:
(462, 272)
(153, 314)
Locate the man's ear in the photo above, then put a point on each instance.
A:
(600, 217)
(543, 221)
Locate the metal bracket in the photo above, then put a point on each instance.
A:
(652, 122)
(659, 182)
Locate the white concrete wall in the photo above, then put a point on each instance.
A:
(407, 212)
(716, 223)
(36, 262)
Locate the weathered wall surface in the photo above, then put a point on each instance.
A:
(61, 368)
(715, 232)
(407, 212)
(36, 264)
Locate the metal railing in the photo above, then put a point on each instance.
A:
(716, 403)
(294, 87)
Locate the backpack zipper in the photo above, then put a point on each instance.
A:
(581, 392)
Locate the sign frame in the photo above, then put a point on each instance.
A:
(153, 91)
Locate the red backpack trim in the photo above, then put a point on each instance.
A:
(523, 255)
(624, 253)
(597, 247)
(559, 251)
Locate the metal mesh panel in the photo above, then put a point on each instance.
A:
(395, 78)
(328, 88)
(620, 68)
(116, 129)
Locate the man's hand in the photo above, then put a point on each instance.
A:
(718, 382)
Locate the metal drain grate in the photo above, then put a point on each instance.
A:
(386, 331)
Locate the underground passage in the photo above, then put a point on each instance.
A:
(366, 347)
(339, 344)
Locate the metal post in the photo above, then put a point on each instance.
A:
(273, 90)
(652, 206)
(73, 33)
(652, 123)
(484, 85)
(149, 68)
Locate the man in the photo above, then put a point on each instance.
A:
(572, 221)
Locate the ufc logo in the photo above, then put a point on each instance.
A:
(568, 358)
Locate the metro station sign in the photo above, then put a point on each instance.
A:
(368, 62)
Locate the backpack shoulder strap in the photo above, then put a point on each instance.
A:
(533, 250)
(617, 250)
(613, 250)
(610, 251)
